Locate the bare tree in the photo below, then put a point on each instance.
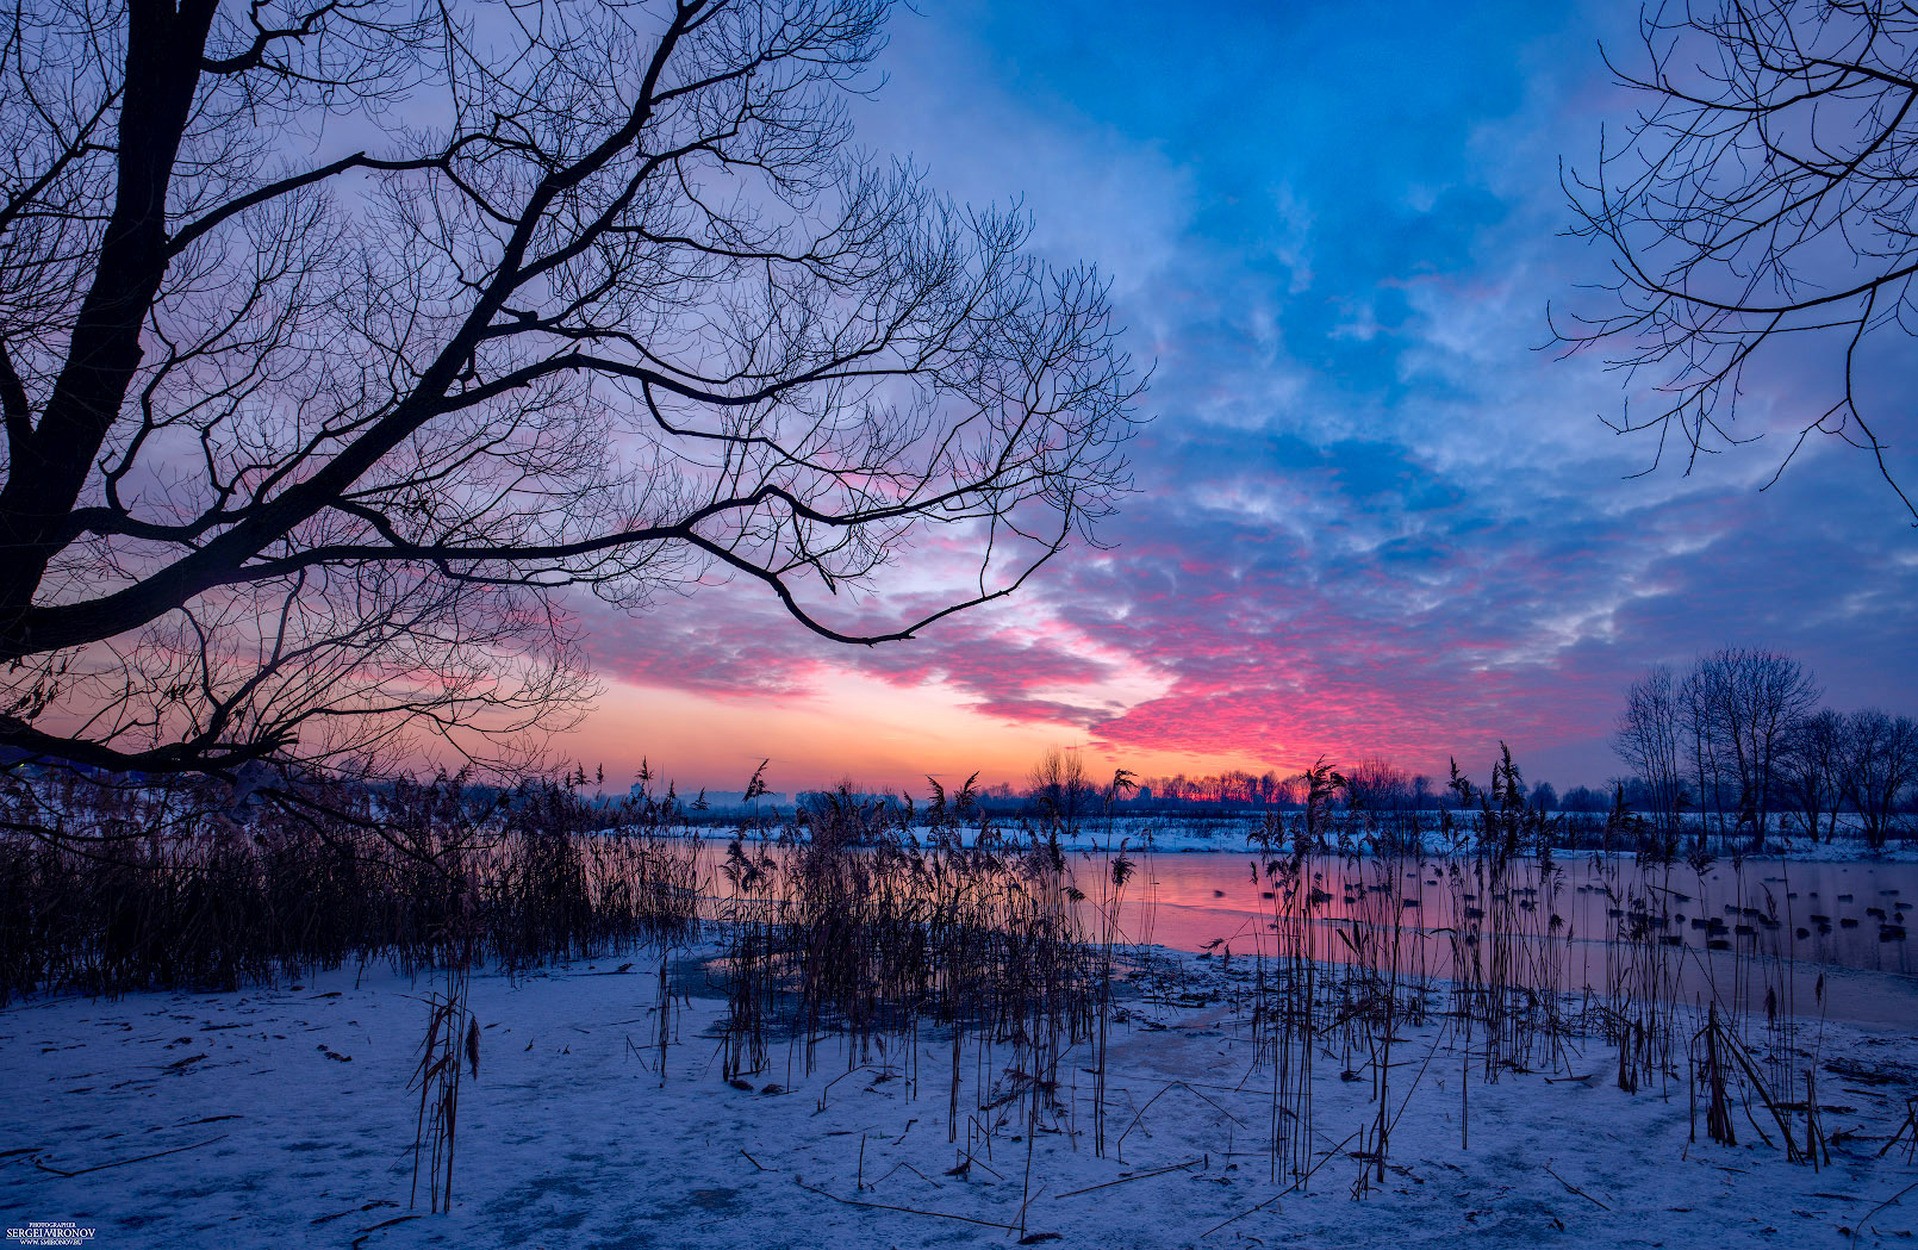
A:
(1758, 215)
(1705, 746)
(338, 340)
(1376, 784)
(1748, 700)
(1060, 786)
(1880, 761)
(1648, 739)
(1811, 770)
(1721, 737)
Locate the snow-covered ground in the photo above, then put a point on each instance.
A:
(280, 1116)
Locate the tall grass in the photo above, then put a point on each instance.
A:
(107, 888)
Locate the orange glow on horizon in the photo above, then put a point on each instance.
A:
(882, 736)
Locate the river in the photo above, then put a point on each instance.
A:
(1826, 938)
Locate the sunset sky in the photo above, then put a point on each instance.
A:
(1373, 517)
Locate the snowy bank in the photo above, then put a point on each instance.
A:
(282, 1116)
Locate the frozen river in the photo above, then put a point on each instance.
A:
(1730, 931)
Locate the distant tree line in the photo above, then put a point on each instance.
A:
(1740, 745)
(1374, 783)
(1235, 788)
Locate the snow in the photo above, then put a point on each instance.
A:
(281, 1116)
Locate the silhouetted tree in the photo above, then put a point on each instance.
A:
(1648, 739)
(1758, 215)
(1811, 771)
(1722, 728)
(1376, 784)
(1058, 784)
(1880, 760)
(1584, 799)
(1744, 702)
(337, 340)
(1706, 748)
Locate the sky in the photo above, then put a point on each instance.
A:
(1375, 513)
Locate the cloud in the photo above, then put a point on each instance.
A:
(1373, 516)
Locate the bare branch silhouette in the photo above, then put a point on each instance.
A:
(339, 340)
(1759, 216)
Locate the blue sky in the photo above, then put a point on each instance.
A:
(1376, 514)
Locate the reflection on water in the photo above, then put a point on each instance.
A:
(1828, 937)
(1728, 928)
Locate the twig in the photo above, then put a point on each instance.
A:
(1575, 1189)
(375, 1205)
(1120, 1146)
(1241, 1215)
(1136, 1176)
(1910, 1125)
(101, 1167)
(829, 1084)
(886, 1206)
(368, 1232)
(1859, 1227)
(1330, 1155)
(908, 1167)
(972, 1160)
